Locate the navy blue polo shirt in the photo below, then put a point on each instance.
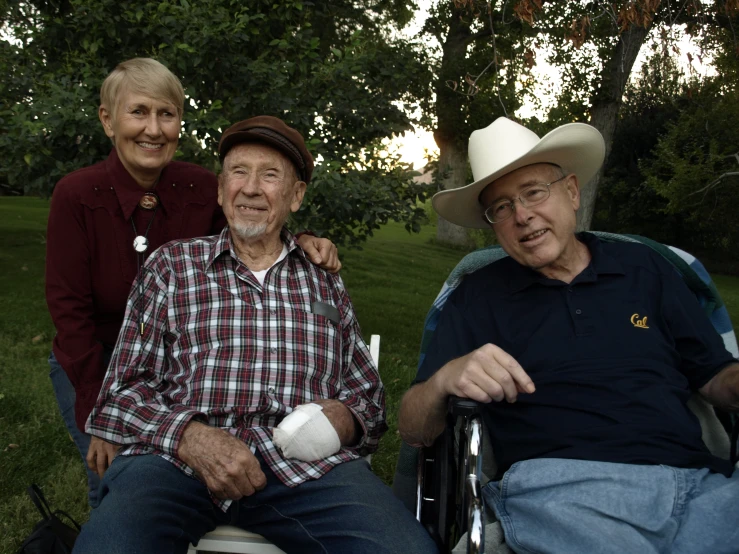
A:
(614, 355)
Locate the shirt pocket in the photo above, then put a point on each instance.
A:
(309, 360)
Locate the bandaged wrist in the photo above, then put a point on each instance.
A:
(307, 434)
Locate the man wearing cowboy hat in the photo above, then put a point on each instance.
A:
(585, 354)
(240, 387)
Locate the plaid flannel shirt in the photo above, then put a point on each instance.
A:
(219, 348)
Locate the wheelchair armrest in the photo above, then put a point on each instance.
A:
(462, 407)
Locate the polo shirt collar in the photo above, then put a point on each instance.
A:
(129, 192)
(223, 245)
(601, 263)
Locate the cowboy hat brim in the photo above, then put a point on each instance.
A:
(575, 147)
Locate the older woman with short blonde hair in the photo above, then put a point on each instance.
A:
(105, 220)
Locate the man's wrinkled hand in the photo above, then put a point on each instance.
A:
(487, 374)
(224, 463)
(321, 252)
(100, 455)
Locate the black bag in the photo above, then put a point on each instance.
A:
(50, 535)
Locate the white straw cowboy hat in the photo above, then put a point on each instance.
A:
(504, 146)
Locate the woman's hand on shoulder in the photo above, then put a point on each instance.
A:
(321, 252)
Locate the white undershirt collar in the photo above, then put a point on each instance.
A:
(260, 275)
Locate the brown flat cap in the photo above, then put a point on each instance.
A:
(272, 132)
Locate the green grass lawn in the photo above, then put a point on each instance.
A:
(392, 283)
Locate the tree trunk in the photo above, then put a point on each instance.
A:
(606, 105)
(452, 175)
(450, 122)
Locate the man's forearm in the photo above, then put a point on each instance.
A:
(342, 419)
(422, 414)
(723, 390)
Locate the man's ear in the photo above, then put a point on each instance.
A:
(106, 118)
(573, 190)
(220, 189)
(298, 194)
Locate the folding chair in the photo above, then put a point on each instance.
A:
(442, 484)
(227, 538)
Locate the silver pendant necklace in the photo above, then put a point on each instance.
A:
(148, 202)
(140, 244)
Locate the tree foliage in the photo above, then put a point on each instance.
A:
(332, 69)
(674, 171)
(481, 74)
(595, 54)
(593, 43)
(483, 68)
(625, 203)
(695, 167)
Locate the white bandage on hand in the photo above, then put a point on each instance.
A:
(307, 434)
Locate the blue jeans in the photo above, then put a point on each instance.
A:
(576, 506)
(65, 398)
(148, 505)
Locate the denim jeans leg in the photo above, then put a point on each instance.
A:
(349, 509)
(576, 506)
(147, 505)
(710, 522)
(65, 398)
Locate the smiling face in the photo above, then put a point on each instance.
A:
(145, 132)
(543, 236)
(258, 189)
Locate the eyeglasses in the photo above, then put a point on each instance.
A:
(530, 196)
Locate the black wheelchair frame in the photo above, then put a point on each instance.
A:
(449, 495)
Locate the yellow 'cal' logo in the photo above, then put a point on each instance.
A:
(641, 323)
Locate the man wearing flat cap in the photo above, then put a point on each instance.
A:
(584, 354)
(240, 387)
